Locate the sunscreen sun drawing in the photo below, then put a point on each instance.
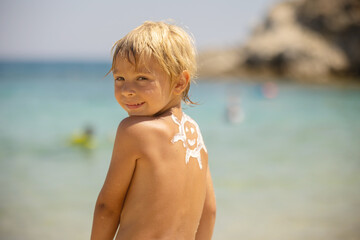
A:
(190, 135)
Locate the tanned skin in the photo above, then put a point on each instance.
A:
(150, 192)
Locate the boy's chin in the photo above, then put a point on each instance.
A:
(140, 114)
(148, 113)
(145, 114)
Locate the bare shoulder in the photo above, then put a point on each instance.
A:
(142, 130)
(138, 127)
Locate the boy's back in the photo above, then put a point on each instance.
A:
(163, 185)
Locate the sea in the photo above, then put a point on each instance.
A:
(284, 156)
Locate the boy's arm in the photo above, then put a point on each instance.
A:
(111, 197)
(207, 221)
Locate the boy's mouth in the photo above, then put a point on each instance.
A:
(134, 106)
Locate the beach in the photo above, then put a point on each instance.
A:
(287, 168)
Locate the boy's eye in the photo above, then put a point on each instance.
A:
(119, 79)
(142, 78)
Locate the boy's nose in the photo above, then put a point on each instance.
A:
(127, 90)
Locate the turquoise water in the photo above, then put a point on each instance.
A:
(289, 170)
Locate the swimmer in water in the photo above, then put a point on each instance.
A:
(158, 185)
(85, 139)
(234, 112)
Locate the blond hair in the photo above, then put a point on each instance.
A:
(170, 45)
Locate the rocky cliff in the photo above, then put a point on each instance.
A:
(301, 39)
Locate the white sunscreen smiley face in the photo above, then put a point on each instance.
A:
(189, 134)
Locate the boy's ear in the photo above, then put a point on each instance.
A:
(182, 82)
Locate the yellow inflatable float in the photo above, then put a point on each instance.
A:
(84, 139)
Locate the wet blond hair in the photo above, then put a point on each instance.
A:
(170, 45)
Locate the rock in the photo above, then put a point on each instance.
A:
(303, 39)
(218, 62)
(338, 22)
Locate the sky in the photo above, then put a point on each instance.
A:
(87, 29)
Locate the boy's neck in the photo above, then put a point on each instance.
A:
(174, 110)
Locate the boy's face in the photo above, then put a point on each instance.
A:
(144, 91)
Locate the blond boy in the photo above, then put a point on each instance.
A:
(158, 185)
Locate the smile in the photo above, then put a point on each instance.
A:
(134, 106)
